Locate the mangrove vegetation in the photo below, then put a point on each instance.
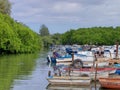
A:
(94, 35)
(47, 38)
(15, 37)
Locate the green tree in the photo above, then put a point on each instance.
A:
(94, 35)
(56, 38)
(47, 41)
(15, 37)
(5, 7)
(44, 31)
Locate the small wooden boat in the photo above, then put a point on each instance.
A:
(88, 61)
(92, 70)
(110, 83)
(66, 87)
(101, 72)
(69, 80)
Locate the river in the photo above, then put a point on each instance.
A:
(28, 72)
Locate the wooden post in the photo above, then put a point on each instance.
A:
(94, 60)
(69, 70)
(110, 55)
(96, 74)
(72, 57)
(96, 65)
(49, 73)
(117, 44)
(59, 72)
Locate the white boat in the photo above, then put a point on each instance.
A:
(101, 72)
(67, 87)
(69, 80)
(90, 64)
(63, 59)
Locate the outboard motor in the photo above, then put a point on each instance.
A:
(48, 58)
(53, 59)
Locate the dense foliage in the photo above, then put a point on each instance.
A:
(56, 38)
(44, 31)
(5, 7)
(47, 38)
(51, 40)
(15, 37)
(94, 35)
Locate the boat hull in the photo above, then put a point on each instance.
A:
(67, 87)
(61, 60)
(110, 83)
(69, 81)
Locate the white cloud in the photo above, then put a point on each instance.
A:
(83, 13)
(66, 7)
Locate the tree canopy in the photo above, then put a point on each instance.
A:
(44, 31)
(5, 7)
(94, 35)
(16, 37)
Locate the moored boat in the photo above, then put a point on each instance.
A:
(63, 59)
(69, 80)
(110, 83)
(101, 72)
(92, 70)
(67, 87)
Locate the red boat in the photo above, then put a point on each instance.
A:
(110, 83)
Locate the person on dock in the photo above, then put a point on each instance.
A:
(100, 52)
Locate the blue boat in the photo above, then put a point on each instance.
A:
(117, 65)
(118, 70)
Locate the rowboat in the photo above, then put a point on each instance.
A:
(101, 72)
(69, 80)
(113, 83)
(90, 64)
(66, 87)
(89, 60)
(88, 71)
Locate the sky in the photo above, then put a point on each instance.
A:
(63, 15)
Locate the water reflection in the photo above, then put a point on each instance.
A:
(36, 80)
(15, 67)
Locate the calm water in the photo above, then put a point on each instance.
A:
(28, 72)
(23, 72)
